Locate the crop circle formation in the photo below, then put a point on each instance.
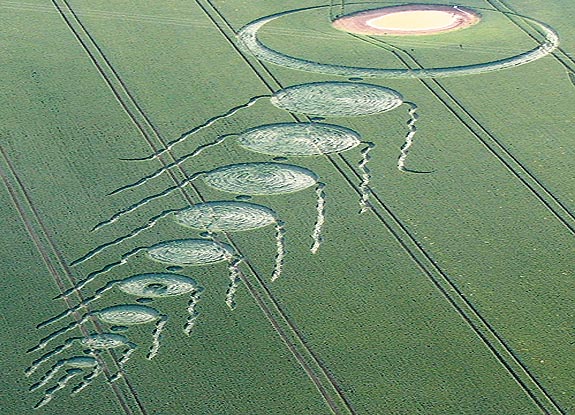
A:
(128, 314)
(157, 285)
(104, 341)
(260, 178)
(186, 252)
(299, 139)
(342, 99)
(227, 216)
(81, 362)
(249, 42)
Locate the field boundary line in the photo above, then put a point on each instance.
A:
(37, 238)
(451, 286)
(147, 124)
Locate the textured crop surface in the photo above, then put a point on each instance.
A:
(233, 207)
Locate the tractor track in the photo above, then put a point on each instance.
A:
(37, 238)
(491, 143)
(414, 251)
(506, 355)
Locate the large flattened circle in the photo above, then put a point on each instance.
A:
(333, 99)
(299, 139)
(189, 252)
(260, 178)
(408, 20)
(226, 216)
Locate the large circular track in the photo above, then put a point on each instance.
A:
(249, 42)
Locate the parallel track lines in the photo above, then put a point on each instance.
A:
(48, 261)
(493, 341)
(145, 126)
(545, 401)
(560, 54)
(493, 145)
(326, 372)
(404, 230)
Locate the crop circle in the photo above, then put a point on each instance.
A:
(104, 341)
(260, 178)
(299, 139)
(128, 314)
(189, 252)
(157, 285)
(249, 42)
(227, 216)
(336, 99)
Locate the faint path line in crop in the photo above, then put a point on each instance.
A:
(170, 145)
(192, 24)
(464, 307)
(147, 123)
(48, 261)
(177, 162)
(112, 79)
(446, 280)
(567, 61)
(102, 14)
(492, 340)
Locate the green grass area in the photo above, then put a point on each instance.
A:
(439, 301)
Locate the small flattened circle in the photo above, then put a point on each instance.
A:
(128, 314)
(190, 252)
(227, 216)
(105, 341)
(157, 285)
(260, 178)
(337, 99)
(81, 362)
(299, 139)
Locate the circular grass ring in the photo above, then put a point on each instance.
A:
(249, 42)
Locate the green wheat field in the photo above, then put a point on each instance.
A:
(420, 262)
